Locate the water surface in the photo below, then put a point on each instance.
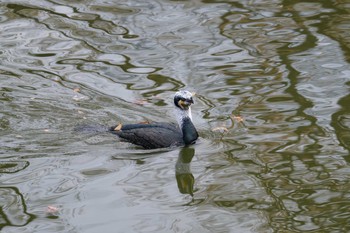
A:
(281, 66)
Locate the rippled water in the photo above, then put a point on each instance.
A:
(282, 66)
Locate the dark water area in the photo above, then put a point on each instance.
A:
(272, 108)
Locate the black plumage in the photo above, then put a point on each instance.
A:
(161, 134)
(150, 136)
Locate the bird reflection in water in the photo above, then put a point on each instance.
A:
(184, 176)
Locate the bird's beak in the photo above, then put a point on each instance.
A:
(189, 101)
(185, 104)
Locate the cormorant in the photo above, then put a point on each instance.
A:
(160, 134)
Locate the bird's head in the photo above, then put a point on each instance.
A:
(183, 99)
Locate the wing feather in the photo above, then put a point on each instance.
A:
(150, 136)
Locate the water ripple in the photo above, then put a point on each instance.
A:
(281, 68)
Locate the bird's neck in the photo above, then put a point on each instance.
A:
(181, 115)
(184, 119)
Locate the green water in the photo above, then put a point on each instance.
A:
(281, 66)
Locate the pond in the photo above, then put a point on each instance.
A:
(272, 109)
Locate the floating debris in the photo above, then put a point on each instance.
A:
(140, 102)
(77, 89)
(145, 122)
(237, 118)
(51, 210)
(220, 128)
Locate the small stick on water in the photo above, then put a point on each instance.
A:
(145, 122)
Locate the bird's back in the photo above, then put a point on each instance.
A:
(150, 136)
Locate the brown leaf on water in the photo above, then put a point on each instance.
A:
(52, 209)
(237, 118)
(77, 89)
